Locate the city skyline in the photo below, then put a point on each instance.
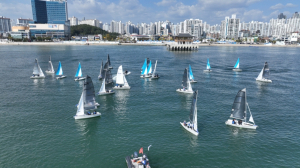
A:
(157, 10)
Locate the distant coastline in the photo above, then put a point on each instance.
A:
(136, 44)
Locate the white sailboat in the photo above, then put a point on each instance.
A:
(50, 69)
(154, 74)
(103, 90)
(78, 75)
(238, 117)
(237, 66)
(192, 125)
(208, 68)
(60, 72)
(121, 82)
(264, 74)
(37, 71)
(187, 87)
(81, 111)
(191, 76)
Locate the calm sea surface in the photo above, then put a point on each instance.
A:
(37, 127)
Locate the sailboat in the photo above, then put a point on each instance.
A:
(264, 74)
(86, 102)
(103, 90)
(192, 125)
(187, 88)
(108, 61)
(121, 82)
(101, 71)
(239, 112)
(237, 66)
(149, 70)
(191, 76)
(208, 69)
(154, 75)
(78, 75)
(50, 69)
(60, 72)
(37, 71)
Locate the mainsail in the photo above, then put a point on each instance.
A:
(266, 72)
(108, 60)
(50, 66)
(191, 76)
(144, 65)
(101, 71)
(208, 65)
(106, 66)
(153, 74)
(36, 69)
(108, 77)
(102, 89)
(237, 64)
(120, 76)
(89, 94)
(239, 105)
(79, 72)
(149, 68)
(193, 112)
(185, 78)
(59, 69)
(80, 107)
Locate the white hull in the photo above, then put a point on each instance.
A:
(146, 76)
(154, 77)
(37, 77)
(78, 79)
(264, 80)
(60, 77)
(207, 70)
(237, 70)
(50, 72)
(189, 129)
(192, 81)
(122, 88)
(128, 73)
(184, 91)
(85, 116)
(243, 125)
(106, 93)
(111, 68)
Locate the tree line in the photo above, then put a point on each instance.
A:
(83, 30)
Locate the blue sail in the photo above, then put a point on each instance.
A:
(191, 73)
(149, 68)
(59, 69)
(237, 64)
(79, 72)
(208, 65)
(144, 67)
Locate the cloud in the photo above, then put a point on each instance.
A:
(16, 10)
(280, 6)
(165, 2)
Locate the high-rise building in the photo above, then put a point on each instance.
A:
(5, 25)
(281, 16)
(50, 18)
(73, 21)
(296, 15)
(23, 22)
(230, 27)
(92, 22)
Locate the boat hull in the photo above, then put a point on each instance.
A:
(154, 77)
(189, 129)
(193, 81)
(184, 91)
(80, 117)
(60, 77)
(79, 79)
(50, 72)
(37, 77)
(128, 73)
(146, 76)
(237, 70)
(207, 70)
(122, 88)
(111, 68)
(264, 80)
(105, 93)
(244, 124)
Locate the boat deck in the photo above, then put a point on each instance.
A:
(135, 162)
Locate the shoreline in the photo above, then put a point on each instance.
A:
(138, 44)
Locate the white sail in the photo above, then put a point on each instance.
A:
(189, 85)
(120, 76)
(145, 72)
(154, 69)
(125, 81)
(40, 71)
(80, 107)
(102, 89)
(51, 65)
(251, 119)
(195, 122)
(260, 74)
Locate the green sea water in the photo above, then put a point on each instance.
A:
(37, 127)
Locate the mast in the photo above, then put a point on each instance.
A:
(245, 105)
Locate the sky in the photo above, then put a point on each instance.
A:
(146, 11)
